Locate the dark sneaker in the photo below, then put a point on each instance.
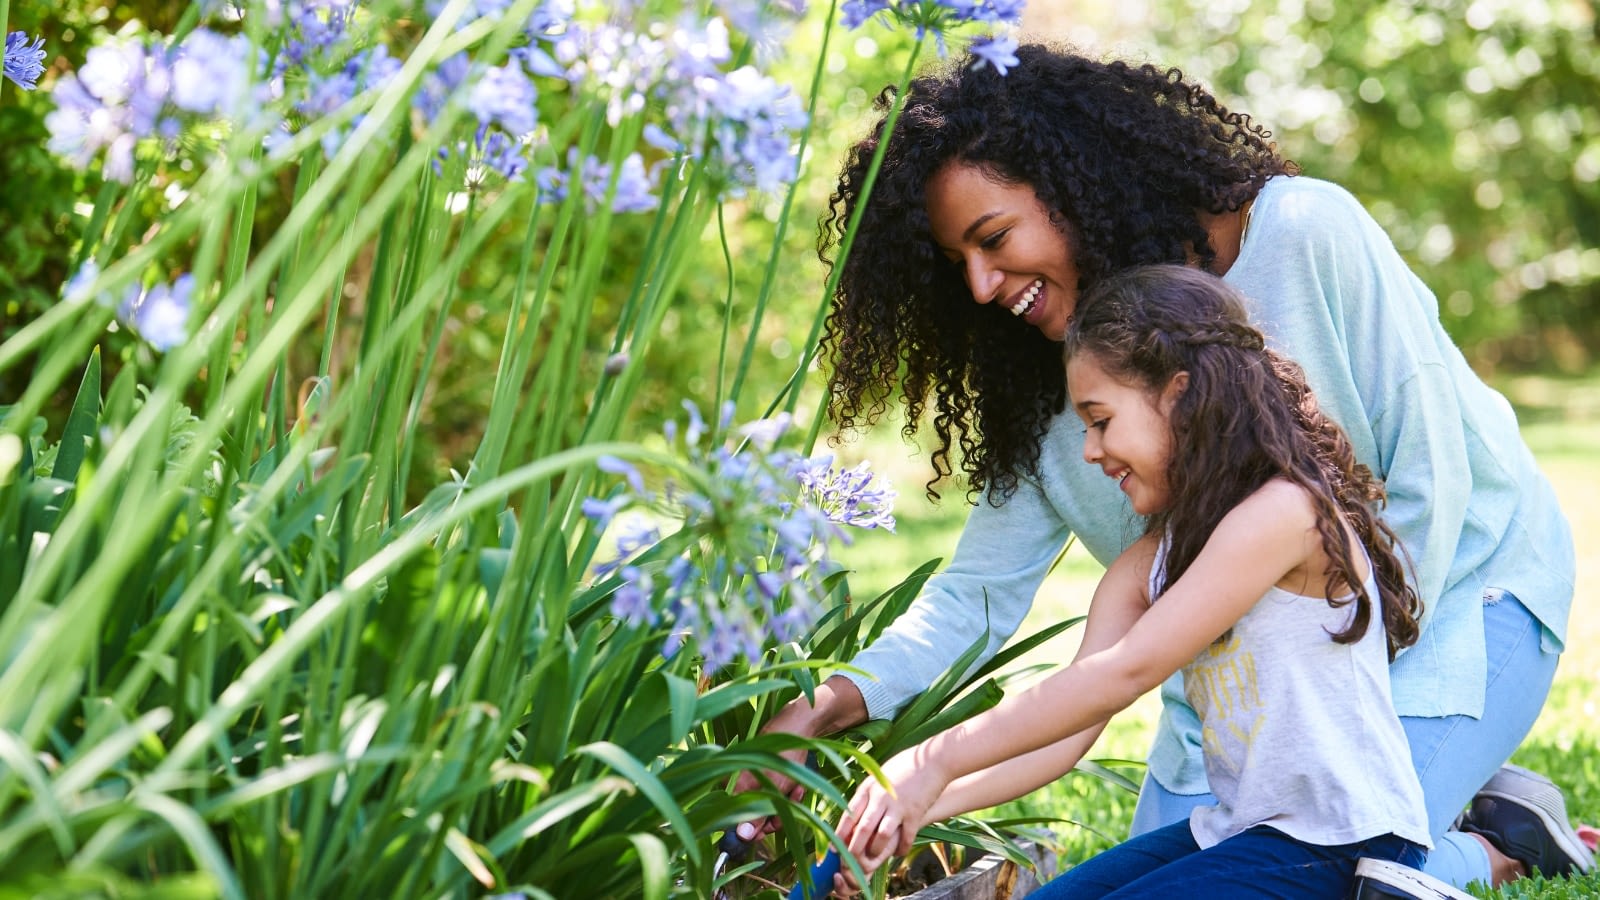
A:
(1522, 813)
(1379, 879)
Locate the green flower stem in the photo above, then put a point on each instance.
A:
(5, 29)
(769, 275)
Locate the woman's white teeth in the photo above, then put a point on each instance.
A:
(1029, 298)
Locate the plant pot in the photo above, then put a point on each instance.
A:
(992, 877)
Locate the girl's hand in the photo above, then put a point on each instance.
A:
(883, 821)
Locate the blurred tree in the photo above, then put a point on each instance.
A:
(1469, 128)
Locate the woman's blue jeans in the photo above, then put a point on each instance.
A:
(1167, 864)
(1454, 755)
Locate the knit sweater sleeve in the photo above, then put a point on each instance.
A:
(989, 584)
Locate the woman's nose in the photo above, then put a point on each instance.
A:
(1091, 447)
(983, 280)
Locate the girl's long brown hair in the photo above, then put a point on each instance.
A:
(1246, 416)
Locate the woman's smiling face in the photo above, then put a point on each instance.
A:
(1008, 249)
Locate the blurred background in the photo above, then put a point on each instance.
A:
(1469, 129)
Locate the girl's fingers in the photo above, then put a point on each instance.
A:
(884, 839)
(908, 839)
(863, 815)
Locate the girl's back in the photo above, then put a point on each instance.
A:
(1298, 730)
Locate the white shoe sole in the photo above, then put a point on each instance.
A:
(1412, 882)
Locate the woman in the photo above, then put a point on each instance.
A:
(1000, 199)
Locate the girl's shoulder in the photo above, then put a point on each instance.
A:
(1280, 503)
(1134, 565)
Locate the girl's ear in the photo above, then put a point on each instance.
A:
(1176, 386)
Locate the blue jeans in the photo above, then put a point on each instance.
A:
(1454, 755)
(1167, 864)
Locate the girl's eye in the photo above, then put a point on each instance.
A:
(1099, 424)
(994, 240)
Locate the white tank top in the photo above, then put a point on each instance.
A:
(1299, 731)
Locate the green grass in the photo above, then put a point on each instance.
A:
(1561, 424)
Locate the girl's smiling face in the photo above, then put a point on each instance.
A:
(1128, 429)
(1004, 241)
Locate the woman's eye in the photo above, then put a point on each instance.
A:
(994, 240)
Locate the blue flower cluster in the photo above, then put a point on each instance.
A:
(160, 313)
(321, 54)
(938, 16)
(754, 530)
(323, 62)
(126, 92)
(634, 184)
(741, 124)
(24, 61)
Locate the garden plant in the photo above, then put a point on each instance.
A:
(244, 654)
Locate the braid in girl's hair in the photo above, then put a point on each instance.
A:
(1246, 416)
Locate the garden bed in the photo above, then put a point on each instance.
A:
(989, 877)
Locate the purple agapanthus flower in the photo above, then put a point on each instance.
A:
(77, 288)
(855, 13)
(753, 121)
(488, 151)
(504, 97)
(477, 9)
(440, 84)
(117, 98)
(755, 523)
(24, 61)
(847, 496)
(633, 602)
(634, 184)
(160, 314)
(999, 51)
(211, 73)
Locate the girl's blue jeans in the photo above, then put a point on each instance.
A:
(1167, 864)
(1454, 755)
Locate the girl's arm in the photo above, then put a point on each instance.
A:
(1119, 599)
(1255, 545)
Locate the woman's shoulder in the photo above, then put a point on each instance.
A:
(1303, 202)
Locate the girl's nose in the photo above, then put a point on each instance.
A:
(1091, 447)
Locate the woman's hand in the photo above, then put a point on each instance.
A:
(839, 705)
(883, 821)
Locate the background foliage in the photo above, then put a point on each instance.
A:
(1469, 129)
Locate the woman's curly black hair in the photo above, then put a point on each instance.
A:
(1245, 417)
(1124, 156)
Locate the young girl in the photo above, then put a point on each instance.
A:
(1263, 574)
